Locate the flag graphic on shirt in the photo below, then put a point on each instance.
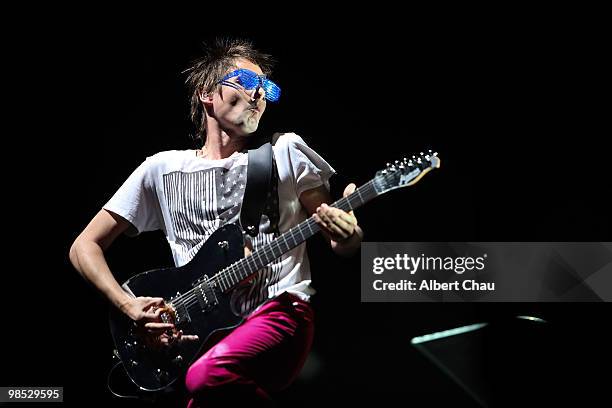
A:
(201, 202)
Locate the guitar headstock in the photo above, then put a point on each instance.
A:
(405, 172)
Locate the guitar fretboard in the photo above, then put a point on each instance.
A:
(231, 276)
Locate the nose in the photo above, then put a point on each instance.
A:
(258, 93)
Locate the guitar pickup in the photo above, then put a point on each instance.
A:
(205, 294)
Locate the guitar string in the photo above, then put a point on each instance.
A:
(191, 298)
(301, 228)
(309, 224)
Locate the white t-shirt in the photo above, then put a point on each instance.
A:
(189, 197)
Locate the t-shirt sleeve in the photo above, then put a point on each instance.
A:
(308, 168)
(136, 200)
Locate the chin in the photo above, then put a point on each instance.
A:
(249, 128)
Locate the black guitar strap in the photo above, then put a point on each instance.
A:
(259, 177)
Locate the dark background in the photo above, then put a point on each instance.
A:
(513, 103)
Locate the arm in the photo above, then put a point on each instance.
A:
(87, 256)
(339, 227)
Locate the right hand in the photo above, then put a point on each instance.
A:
(146, 314)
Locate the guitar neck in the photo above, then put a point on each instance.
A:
(231, 276)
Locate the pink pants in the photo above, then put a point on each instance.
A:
(264, 354)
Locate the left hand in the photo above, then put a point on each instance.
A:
(337, 224)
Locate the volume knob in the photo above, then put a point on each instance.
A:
(178, 360)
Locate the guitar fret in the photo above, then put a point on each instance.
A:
(359, 194)
(244, 269)
(226, 280)
(286, 243)
(300, 231)
(260, 260)
(292, 235)
(310, 228)
(218, 279)
(228, 277)
(236, 276)
(252, 264)
(221, 282)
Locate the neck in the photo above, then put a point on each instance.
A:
(219, 144)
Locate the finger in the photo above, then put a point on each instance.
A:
(189, 337)
(158, 326)
(339, 212)
(157, 333)
(339, 219)
(349, 218)
(349, 189)
(342, 221)
(322, 223)
(186, 337)
(337, 232)
(153, 314)
(332, 211)
(344, 225)
(325, 212)
(322, 226)
(332, 226)
(177, 335)
(154, 301)
(332, 215)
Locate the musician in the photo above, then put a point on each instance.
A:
(188, 194)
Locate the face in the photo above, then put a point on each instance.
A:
(238, 111)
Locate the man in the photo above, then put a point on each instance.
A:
(189, 194)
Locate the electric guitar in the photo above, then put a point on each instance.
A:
(197, 295)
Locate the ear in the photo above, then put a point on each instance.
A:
(205, 98)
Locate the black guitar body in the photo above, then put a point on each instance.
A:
(207, 315)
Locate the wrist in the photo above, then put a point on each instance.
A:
(124, 304)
